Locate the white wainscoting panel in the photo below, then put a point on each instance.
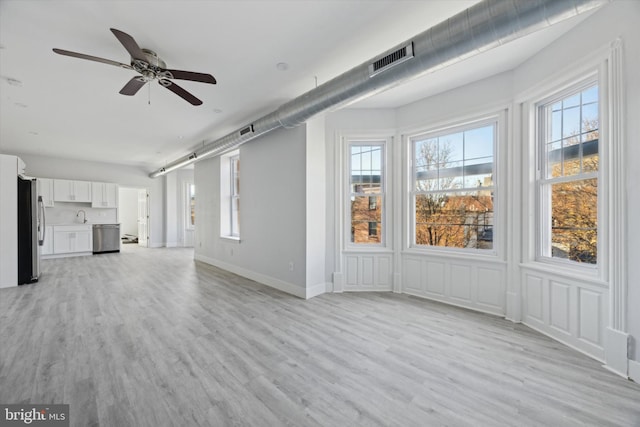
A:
(533, 296)
(433, 274)
(353, 271)
(412, 268)
(471, 284)
(490, 290)
(559, 312)
(460, 282)
(590, 316)
(368, 272)
(572, 311)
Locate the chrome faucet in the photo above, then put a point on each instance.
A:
(84, 216)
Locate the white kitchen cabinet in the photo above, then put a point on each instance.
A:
(47, 247)
(45, 190)
(104, 195)
(72, 238)
(65, 190)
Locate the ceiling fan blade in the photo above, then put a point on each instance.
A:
(190, 75)
(130, 44)
(180, 92)
(90, 58)
(133, 86)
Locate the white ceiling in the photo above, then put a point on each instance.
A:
(59, 106)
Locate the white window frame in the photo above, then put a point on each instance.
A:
(543, 184)
(228, 229)
(498, 228)
(365, 141)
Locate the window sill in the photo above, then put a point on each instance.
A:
(367, 250)
(477, 255)
(231, 239)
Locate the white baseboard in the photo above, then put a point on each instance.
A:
(328, 287)
(514, 307)
(397, 283)
(615, 351)
(278, 284)
(316, 290)
(338, 282)
(634, 370)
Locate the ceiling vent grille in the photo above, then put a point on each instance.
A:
(394, 58)
(248, 129)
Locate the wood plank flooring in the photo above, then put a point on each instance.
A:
(148, 337)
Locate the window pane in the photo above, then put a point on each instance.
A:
(590, 118)
(426, 154)
(192, 204)
(590, 95)
(574, 220)
(478, 146)
(235, 217)
(571, 101)
(571, 122)
(556, 125)
(451, 150)
(458, 220)
(577, 115)
(366, 210)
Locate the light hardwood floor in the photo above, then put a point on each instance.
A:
(148, 337)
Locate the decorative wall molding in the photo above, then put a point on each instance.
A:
(478, 286)
(570, 311)
(617, 189)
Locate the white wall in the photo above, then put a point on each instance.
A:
(8, 221)
(272, 212)
(175, 198)
(128, 211)
(125, 176)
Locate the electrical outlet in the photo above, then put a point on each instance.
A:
(290, 265)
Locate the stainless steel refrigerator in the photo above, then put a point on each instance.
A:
(31, 229)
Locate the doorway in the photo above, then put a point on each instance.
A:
(134, 216)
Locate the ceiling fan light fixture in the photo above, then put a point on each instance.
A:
(150, 67)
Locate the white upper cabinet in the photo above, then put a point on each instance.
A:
(45, 190)
(104, 195)
(65, 190)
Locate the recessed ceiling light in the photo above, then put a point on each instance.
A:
(33, 132)
(217, 110)
(282, 66)
(20, 104)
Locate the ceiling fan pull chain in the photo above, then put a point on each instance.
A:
(149, 94)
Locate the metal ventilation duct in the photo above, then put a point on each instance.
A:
(484, 26)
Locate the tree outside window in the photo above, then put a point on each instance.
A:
(568, 186)
(453, 191)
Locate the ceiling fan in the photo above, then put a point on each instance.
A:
(150, 67)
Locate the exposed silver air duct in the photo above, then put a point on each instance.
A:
(484, 26)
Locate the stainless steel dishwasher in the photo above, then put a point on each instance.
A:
(106, 238)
